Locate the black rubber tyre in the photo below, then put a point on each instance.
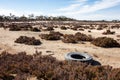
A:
(76, 56)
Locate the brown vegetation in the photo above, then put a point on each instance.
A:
(69, 38)
(28, 40)
(35, 29)
(1, 25)
(19, 27)
(22, 66)
(108, 32)
(49, 29)
(63, 28)
(105, 42)
(52, 36)
(82, 37)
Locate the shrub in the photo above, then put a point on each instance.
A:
(63, 28)
(105, 42)
(89, 31)
(14, 27)
(74, 28)
(69, 38)
(51, 36)
(82, 37)
(25, 27)
(46, 67)
(108, 32)
(20, 27)
(99, 28)
(1, 25)
(49, 29)
(118, 36)
(28, 40)
(35, 29)
(81, 29)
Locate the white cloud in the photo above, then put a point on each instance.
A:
(86, 8)
(73, 6)
(69, 8)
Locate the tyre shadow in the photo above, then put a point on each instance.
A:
(95, 63)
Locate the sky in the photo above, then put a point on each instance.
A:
(78, 9)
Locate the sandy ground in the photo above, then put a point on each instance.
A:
(109, 56)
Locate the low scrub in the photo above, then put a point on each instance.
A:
(80, 29)
(108, 32)
(14, 27)
(1, 25)
(35, 29)
(99, 28)
(49, 29)
(52, 36)
(118, 36)
(105, 42)
(63, 28)
(45, 67)
(82, 37)
(20, 27)
(28, 40)
(69, 38)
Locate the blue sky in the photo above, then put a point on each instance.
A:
(79, 9)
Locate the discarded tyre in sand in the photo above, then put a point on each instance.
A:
(76, 56)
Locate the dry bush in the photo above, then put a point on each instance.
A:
(35, 29)
(69, 38)
(105, 42)
(82, 37)
(99, 28)
(63, 28)
(14, 27)
(49, 29)
(89, 31)
(46, 67)
(20, 27)
(81, 29)
(115, 26)
(118, 36)
(28, 40)
(51, 36)
(76, 28)
(1, 25)
(108, 32)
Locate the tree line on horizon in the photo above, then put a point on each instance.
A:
(32, 17)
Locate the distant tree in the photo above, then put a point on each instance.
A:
(31, 16)
(1, 18)
(23, 18)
